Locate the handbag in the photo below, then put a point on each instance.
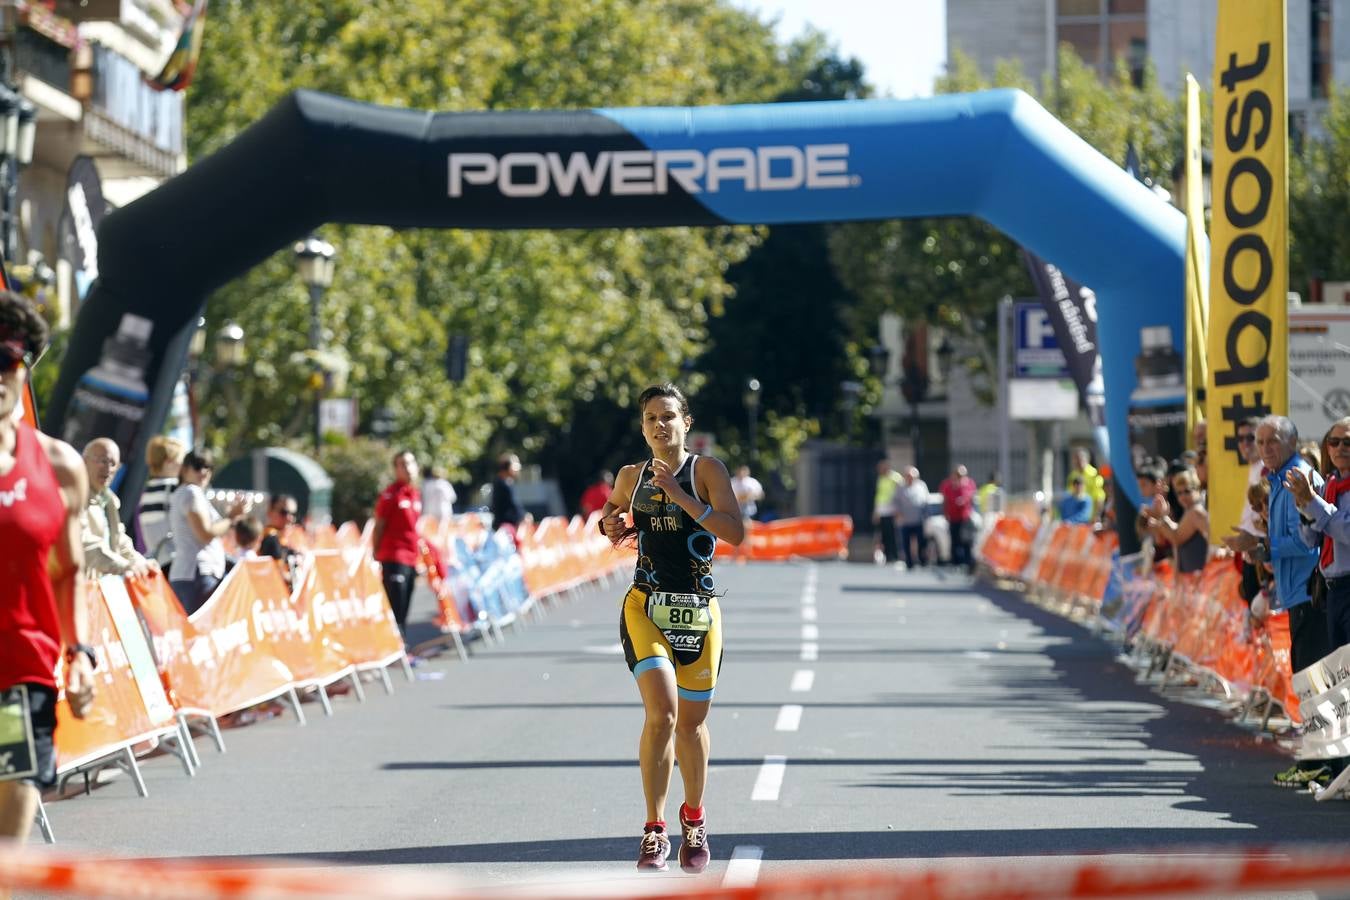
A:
(1317, 588)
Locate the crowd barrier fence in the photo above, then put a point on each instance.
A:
(1186, 632)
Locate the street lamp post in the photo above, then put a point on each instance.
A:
(315, 260)
(751, 398)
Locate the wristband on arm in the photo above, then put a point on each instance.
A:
(707, 511)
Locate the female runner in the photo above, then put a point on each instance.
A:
(678, 505)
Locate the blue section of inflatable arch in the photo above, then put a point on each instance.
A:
(997, 155)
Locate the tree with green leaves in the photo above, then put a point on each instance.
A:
(562, 327)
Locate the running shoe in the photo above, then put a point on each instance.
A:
(653, 850)
(694, 850)
(1300, 778)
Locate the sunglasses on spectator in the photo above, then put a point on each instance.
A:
(12, 356)
(1246, 438)
(1338, 441)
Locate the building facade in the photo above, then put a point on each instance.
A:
(1176, 36)
(84, 65)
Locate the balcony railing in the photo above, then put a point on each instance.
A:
(121, 95)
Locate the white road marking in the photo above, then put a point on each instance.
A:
(614, 649)
(789, 717)
(810, 652)
(810, 633)
(808, 613)
(743, 867)
(770, 779)
(802, 679)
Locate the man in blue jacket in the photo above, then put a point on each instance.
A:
(1291, 558)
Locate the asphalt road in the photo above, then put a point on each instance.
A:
(863, 714)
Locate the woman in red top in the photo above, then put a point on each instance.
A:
(43, 487)
(396, 542)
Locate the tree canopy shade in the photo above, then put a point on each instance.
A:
(316, 158)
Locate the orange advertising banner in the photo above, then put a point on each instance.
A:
(284, 625)
(214, 661)
(119, 716)
(349, 611)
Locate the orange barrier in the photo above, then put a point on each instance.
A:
(1197, 619)
(819, 537)
(254, 640)
(1219, 872)
(132, 704)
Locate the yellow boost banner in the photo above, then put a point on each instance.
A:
(1249, 269)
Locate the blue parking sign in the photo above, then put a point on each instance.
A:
(1036, 351)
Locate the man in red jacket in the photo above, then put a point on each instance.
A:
(396, 541)
(958, 503)
(43, 488)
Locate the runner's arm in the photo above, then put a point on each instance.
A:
(67, 556)
(725, 519)
(619, 500)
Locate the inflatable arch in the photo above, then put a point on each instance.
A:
(316, 158)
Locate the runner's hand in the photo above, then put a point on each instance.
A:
(663, 477)
(79, 684)
(614, 526)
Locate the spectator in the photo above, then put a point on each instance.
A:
(748, 492)
(1190, 535)
(1200, 436)
(1153, 505)
(1256, 593)
(506, 509)
(1253, 575)
(1312, 453)
(1076, 507)
(396, 541)
(163, 457)
(438, 495)
(911, 508)
(108, 549)
(42, 616)
(198, 554)
(1291, 558)
(1329, 530)
(594, 497)
(989, 498)
(247, 536)
(282, 511)
(958, 503)
(883, 509)
(1092, 479)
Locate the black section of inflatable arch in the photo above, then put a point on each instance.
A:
(315, 159)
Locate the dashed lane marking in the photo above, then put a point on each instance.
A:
(810, 652)
(743, 867)
(802, 679)
(810, 633)
(770, 779)
(789, 717)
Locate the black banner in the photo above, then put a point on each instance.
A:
(1073, 314)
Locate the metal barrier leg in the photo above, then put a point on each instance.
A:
(407, 665)
(128, 763)
(174, 743)
(216, 735)
(295, 705)
(357, 689)
(384, 679)
(185, 730)
(459, 648)
(324, 701)
(43, 824)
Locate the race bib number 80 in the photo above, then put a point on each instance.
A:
(679, 612)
